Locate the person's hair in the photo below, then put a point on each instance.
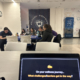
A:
(6, 28)
(32, 29)
(48, 27)
(24, 30)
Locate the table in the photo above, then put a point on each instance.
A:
(9, 63)
(32, 38)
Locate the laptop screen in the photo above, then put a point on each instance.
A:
(49, 68)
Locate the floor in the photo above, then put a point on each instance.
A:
(71, 45)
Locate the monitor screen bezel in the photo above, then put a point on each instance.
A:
(48, 55)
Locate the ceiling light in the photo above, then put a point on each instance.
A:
(13, 1)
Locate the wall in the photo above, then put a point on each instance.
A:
(12, 17)
(57, 16)
(73, 12)
(24, 17)
(56, 19)
(1, 18)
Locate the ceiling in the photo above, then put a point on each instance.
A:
(44, 4)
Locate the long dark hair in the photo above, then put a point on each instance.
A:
(33, 29)
(22, 31)
(6, 28)
(48, 27)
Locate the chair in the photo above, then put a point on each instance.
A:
(53, 38)
(26, 39)
(12, 39)
(58, 39)
(16, 46)
(47, 46)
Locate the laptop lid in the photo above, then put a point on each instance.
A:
(49, 67)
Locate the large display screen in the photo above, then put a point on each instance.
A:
(49, 69)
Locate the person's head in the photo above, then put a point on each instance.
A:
(47, 27)
(40, 29)
(6, 30)
(32, 29)
(23, 30)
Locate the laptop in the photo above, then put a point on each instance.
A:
(49, 67)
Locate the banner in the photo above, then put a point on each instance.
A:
(38, 17)
(69, 23)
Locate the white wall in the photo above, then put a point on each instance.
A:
(24, 17)
(53, 18)
(1, 18)
(56, 20)
(12, 17)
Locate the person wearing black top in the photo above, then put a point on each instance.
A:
(47, 35)
(3, 39)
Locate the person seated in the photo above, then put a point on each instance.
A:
(32, 31)
(54, 33)
(3, 39)
(23, 32)
(47, 35)
(40, 31)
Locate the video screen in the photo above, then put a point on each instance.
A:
(49, 69)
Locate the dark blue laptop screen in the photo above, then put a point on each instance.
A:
(49, 69)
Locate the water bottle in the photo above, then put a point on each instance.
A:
(37, 33)
(17, 34)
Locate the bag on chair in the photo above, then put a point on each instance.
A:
(58, 39)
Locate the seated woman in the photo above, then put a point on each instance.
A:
(23, 32)
(32, 31)
(47, 35)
